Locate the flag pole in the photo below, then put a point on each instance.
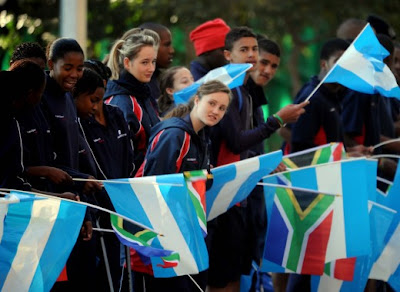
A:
(127, 182)
(385, 142)
(386, 156)
(315, 165)
(388, 182)
(334, 66)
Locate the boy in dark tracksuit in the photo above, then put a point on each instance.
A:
(321, 122)
(232, 139)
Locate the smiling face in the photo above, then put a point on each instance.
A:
(142, 66)
(87, 104)
(67, 70)
(244, 50)
(209, 110)
(266, 68)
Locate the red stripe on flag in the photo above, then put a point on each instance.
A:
(314, 259)
(167, 264)
(337, 153)
(200, 187)
(344, 269)
(63, 275)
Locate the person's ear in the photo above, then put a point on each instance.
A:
(50, 64)
(196, 100)
(126, 63)
(169, 90)
(323, 64)
(227, 55)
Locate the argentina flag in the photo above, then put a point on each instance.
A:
(234, 182)
(162, 203)
(361, 67)
(36, 239)
(232, 75)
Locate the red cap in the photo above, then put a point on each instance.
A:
(209, 36)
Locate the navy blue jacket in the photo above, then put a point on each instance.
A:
(235, 134)
(37, 141)
(133, 98)
(321, 123)
(60, 112)
(110, 144)
(11, 161)
(197, 70)
(258, 100)
(360, 117)
(175, 147)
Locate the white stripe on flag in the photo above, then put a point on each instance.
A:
(33, 242)
(327, 284)
(355, 62)
(229, 190)
(290, 230)
(329, 179)
(163, 221)
(220, 74)
(389, 260)
(337, 243)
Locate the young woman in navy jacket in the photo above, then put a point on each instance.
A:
(183, 144)
(132, 62)
(106, 132)
(65, 61)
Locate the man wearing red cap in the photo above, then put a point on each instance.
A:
(209, 42)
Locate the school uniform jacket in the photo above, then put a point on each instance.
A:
(175, 147)
(321, 123)
(133, 98)
(111, 144)
(37, 141)
(11, 155)
(235, 135)
(60, 112)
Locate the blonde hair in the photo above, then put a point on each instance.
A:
(129, 46)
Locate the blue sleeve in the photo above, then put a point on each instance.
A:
(307, 126)
(239, 139)
(162, 155)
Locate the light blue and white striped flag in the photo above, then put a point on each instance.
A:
(232, 75)
(361, 67)
(36, 239)
(163, 204)
(234, 182)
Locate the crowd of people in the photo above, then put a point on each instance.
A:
(65, 118)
